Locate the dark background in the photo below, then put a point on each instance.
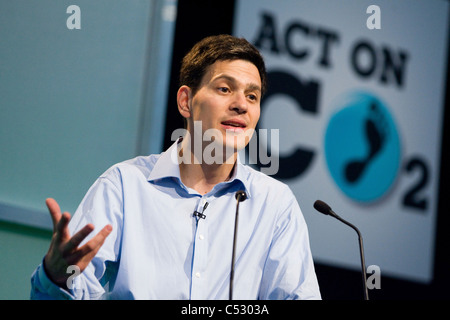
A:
(200, 18)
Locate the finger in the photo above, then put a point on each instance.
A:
(78, 237)
(96, 242)
(60, 220)
(87, 252)
(55, 211)
(62, 229)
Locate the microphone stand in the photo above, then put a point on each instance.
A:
(240, 196)
(361, 251)
(324, 208)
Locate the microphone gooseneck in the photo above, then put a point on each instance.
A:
(326, 209)
(240, 196)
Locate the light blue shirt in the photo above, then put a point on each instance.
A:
(159, 250)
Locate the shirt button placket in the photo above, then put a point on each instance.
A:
(199, 256)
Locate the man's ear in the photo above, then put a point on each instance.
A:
(184, 101)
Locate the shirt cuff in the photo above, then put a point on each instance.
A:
(52, 289)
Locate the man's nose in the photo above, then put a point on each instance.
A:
(239, 104)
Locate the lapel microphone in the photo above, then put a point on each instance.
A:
(200, 215)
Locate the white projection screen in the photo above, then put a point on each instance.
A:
(357, 93)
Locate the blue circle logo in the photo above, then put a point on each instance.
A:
(362, 147)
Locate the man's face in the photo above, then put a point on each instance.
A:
(228, 100)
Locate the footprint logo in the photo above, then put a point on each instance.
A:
(362, 147)
(375, 134)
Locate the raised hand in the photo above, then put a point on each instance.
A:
(64, 250)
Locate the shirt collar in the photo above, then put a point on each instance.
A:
(167, 167)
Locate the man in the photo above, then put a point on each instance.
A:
(167, 221)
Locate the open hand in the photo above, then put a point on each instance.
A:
(64, 250)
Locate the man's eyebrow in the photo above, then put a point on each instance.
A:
(251, 86)
(254, 87)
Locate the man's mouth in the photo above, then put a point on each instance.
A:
(234, 125)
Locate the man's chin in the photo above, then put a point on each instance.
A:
(221, 152)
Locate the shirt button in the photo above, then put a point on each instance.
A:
(197, 274)
(201, 237)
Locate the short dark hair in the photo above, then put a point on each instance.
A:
(219, 48)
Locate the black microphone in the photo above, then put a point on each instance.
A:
(200, 215)
(240, 196)
(326, 209)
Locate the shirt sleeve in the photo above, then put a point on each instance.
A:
(289, 269)
(42, 288)
(101, 205)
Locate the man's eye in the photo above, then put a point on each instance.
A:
(253, 97)
(224, 89)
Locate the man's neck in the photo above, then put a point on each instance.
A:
(201, 176)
